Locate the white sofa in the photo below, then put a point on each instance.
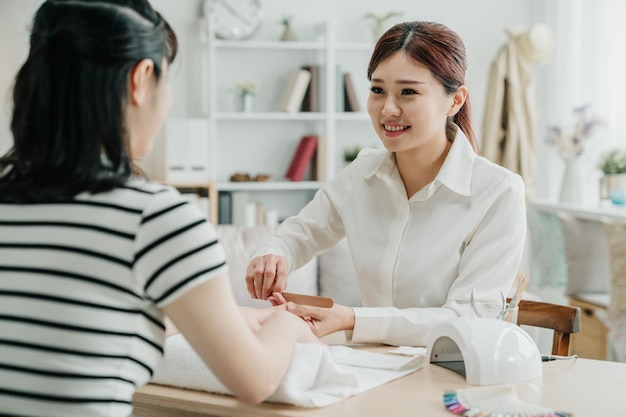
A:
(331, 274)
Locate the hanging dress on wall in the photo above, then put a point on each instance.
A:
(508, 123)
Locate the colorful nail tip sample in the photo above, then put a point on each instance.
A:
(493, 401)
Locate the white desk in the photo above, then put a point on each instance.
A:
(584, 387)
(603, 212)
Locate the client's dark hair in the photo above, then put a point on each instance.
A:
(69, 97)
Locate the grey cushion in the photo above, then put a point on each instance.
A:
(337, 278)
(238, 243)
(587, 255)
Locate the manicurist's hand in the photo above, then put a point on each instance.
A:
(265, 275)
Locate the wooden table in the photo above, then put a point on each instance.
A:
(584, 387)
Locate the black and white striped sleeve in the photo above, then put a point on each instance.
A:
(176, 248)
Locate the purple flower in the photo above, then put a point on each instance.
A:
(571, 144)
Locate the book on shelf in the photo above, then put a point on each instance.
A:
(294, 92)
(319, 162)
(302, 158)
(260, 214)
(243, 212)
(311, 100)
(238, 207)
(321, 82)
(223, 211)
(350, 98)
(251, 214)
(340, 104)
(271, 217)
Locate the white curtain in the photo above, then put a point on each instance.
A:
(587, 67)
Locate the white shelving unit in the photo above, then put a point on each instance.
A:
(263, 141)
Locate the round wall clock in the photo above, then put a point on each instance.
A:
(234, 19)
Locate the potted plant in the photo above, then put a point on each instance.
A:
(613, 181)
(288, 33)
(350, 153)
(379, 23)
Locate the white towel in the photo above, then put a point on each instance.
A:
(318, 376)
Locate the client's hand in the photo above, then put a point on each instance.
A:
(323, 321)
(256, 317)
(170, 328)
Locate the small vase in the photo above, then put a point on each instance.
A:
(613, 187)
(571, 185)
(288, 34)
(245, 102)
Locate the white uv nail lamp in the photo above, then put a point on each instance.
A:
(486, 351)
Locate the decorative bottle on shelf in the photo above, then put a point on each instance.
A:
(246, 103)
(244, 96)
(288, 33)
(571, 185)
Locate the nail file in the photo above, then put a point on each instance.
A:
(309, 300)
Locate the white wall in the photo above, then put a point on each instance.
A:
(585, 68)
(15, 19)
(480, 23)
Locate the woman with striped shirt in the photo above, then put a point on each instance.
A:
(92, 257)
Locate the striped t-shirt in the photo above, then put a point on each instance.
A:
(81, 287)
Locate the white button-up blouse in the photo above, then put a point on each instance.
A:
(416, 260)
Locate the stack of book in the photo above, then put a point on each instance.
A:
(236, 207)
(308, 160)
(296, 89)
(304, 91)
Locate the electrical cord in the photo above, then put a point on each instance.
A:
(548, 358)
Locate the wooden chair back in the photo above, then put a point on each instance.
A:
(564, 320)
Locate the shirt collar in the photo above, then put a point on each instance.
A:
(455, 173)
(385, 168)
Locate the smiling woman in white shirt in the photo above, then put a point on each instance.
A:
(427, 219)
